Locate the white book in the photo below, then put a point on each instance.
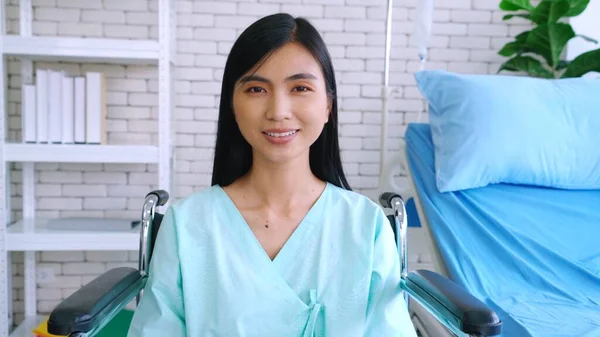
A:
(28, 114)
(68, 114)
(41, 86)
(79, 109)
(55, 106)
(95, 108)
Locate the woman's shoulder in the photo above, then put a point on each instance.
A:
(203, 210)
(356, 212)
(357, 201)
(205, 199)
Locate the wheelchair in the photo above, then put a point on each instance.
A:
(90, 308)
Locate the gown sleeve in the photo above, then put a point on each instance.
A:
(387, 312)
(160, 311)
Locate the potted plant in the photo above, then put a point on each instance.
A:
(537, 52)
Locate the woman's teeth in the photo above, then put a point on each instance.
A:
(283, 134)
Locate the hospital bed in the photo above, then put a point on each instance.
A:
(526, 248)
(90, 308)
(530, 253)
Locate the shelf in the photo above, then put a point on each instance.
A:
(80, 153)
(24, 329)
(33, 235)
(82, 49)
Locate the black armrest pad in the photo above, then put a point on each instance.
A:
(86, 309)
(474, 316)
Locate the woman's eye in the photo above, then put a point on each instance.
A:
(255, 90)
(301, 88)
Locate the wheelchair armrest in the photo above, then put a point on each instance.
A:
(97, 302)
(472, 316)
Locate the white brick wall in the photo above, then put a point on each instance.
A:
(467, 35)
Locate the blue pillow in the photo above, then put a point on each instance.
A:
(490, 129)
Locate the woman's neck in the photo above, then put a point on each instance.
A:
(285, 185)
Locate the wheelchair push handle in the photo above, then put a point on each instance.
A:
(161, 195)
(149, 228)
(386, 199)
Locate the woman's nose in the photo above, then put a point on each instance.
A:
(279, 108)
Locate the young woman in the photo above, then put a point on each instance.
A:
(279, 245)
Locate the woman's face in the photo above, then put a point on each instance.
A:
(282, 107)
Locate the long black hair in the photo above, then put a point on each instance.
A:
(233, 154)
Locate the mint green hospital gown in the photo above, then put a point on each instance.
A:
(337, 275)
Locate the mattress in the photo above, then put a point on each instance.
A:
(531, 253)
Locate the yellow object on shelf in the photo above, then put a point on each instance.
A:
(42, 330)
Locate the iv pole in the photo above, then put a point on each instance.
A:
(385, 92)
(420, 38)
(423, 22)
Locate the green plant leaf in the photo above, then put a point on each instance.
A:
(562, 64)
(549, 40)
(522, 37)
(518, 46)
(587, 38)
(510, 49)
(528, 65)
(515, 5)
(577, 7)
(583, 64)
(550, 11)
(510, 16)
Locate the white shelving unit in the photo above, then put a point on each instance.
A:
(29, 234)
(34, 235)
(68, 153)
(74, 49)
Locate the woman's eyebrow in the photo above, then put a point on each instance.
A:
(302, 76)
(257, 78)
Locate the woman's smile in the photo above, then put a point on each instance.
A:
(280, 136)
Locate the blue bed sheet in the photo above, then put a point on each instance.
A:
(531, 253)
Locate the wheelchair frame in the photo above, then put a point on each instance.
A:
(75, 317)
(89, 309)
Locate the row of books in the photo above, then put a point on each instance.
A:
(63, 109)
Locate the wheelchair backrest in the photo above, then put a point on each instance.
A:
(156, 221)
